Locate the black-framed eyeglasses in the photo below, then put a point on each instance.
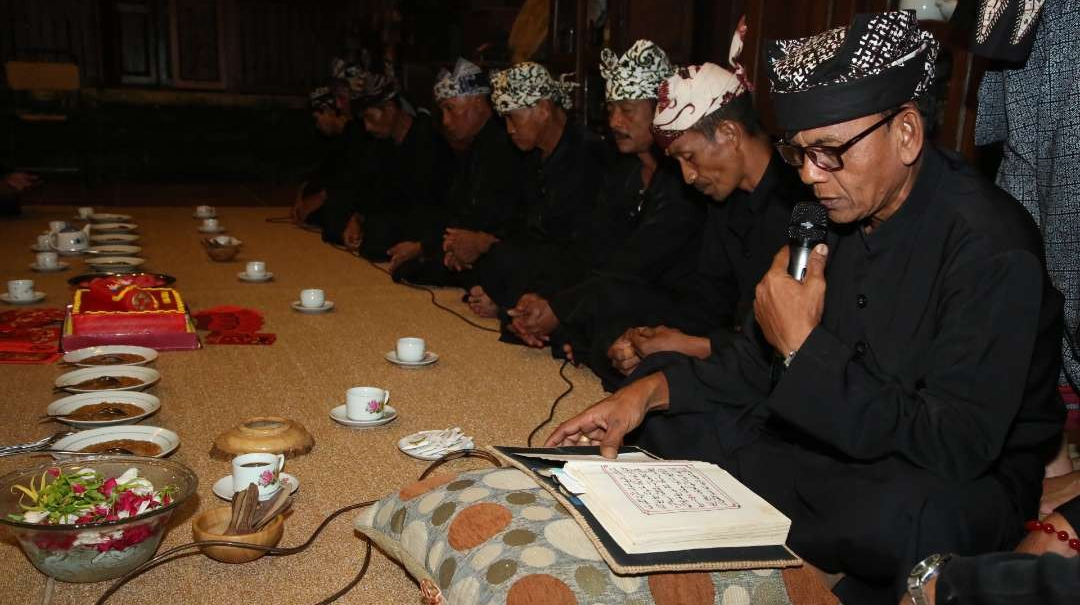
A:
(827, 157)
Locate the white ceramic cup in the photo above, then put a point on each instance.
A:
(204, 211)
(312, 298)
(410, 349)
(44, 240)
(366, 403)
(210, 224)
(21, 289)
(256, 269)
(57, 226)
(264, 470)
(47, 260)
(85, 212)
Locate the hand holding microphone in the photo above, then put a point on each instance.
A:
(790, 299)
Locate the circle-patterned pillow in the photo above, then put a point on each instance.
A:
(493, 537)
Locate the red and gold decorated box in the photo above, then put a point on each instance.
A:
(128, 314)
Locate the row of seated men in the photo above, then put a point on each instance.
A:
(575, 241)
(898, 403)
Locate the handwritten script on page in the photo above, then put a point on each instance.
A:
(669, 488)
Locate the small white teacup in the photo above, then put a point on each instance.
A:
(256, 269)
(47, 260)
(44, 241)
(264, 470)
(85, 212)
(410, 349)
(366, 403)
(21, 289)
(210, 224)
(312, 298)
(57, 226)
(204, 211)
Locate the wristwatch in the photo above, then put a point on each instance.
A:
(790, 357)
(921, 575)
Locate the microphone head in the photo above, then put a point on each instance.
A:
(809, 222)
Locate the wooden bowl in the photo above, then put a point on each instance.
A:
(264, 434)
(210, 525)
(222, 254)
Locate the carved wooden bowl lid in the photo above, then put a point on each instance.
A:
(272, 434)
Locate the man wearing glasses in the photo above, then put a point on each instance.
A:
(900, 402)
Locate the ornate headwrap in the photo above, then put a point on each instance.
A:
(322, 98)
(466, 79)
(524, 84)
(353, 73)
(881, 61)
(637, 74)
(694, 92)
(378, 89)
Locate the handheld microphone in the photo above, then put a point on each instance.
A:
(807, 228)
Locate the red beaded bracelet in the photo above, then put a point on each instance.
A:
(1049, 529)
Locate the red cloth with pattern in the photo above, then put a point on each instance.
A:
(231, 325)
(30, 336)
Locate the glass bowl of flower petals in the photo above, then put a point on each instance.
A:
(93, 518)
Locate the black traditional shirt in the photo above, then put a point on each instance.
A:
(938, 345)
(650, 234)
(486, 188)
(743, 234)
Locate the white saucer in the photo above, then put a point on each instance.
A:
(338, 414)
(37, 248)
(57, 267)
(430, 357)
(219, 229)
(243, 275)
(202, 216)
(326, 306)
(223, 487)
(38, 297)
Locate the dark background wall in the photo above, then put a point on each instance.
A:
(185, 90)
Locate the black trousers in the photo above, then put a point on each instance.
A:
(872, 522)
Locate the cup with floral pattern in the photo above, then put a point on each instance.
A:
(264, 470)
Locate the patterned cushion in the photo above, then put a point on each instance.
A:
(494, 536)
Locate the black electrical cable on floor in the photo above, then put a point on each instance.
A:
(168, 555)
(554, 404)
(171, 554)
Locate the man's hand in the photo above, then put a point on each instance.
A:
(353, 235)
(786, 309)
(622, 354)
(305, 205)
(1040, 543)
(467, 246)
(636, 344)
(20, 181)
(647, 341)
(403, 252)
(534, 321)
(607, 422)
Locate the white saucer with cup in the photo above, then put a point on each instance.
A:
(312, 300)
(262, 469)
(48, 261)
(85, 212)
(205, 212)
(410, 352)
(43, 243)
(211, 225)
(255, 271)
(364, 407)
(21, 292)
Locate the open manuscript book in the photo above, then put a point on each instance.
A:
(646, 514)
